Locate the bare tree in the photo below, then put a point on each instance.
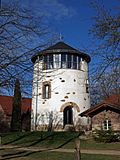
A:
(106, 30)
(107, 84)
(20, 33)
(106, 69)
(49, 121)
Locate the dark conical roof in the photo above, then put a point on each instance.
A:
(61, 47)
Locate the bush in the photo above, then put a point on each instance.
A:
(106, 136)
(4, 127)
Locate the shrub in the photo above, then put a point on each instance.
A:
(4, 127)
(106, 136)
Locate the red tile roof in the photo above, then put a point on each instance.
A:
(7, 101)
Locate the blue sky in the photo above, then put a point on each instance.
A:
(71, 18)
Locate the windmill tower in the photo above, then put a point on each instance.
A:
(60, 86)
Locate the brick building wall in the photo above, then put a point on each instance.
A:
(98, 119)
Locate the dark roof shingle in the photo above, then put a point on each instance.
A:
(61, 47)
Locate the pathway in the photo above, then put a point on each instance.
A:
(86, 151)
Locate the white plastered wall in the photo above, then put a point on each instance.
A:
(67, 85)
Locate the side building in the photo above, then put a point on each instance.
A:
(6, 104)
(105, 115)
(60, 88)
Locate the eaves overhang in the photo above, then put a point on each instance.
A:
(62, 48)
(99, 108)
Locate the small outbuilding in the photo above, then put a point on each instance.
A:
(105, 115)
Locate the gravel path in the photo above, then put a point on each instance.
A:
(86, 151)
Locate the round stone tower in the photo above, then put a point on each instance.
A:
(60, 87)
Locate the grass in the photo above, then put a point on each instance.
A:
(41, 139)
(91, 144)
(54, 140)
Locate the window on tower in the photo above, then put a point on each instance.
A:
(74, 60)
(64, 60)
(69, 61)
(87, 86)
(57, 60)
(45, 66)
(46, 90)
(50, 62)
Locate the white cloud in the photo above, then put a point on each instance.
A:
(51, 8)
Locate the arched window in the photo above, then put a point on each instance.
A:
(46, 90)
(68, 115)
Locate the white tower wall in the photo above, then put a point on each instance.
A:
(68, 86)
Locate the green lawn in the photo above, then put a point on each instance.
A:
(41, 139)
(91, 144)
(51, 140)
(54, 140)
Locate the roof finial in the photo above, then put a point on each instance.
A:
(61, 37)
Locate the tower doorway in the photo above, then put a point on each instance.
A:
(68, 115)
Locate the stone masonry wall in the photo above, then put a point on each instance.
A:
(98, 120)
